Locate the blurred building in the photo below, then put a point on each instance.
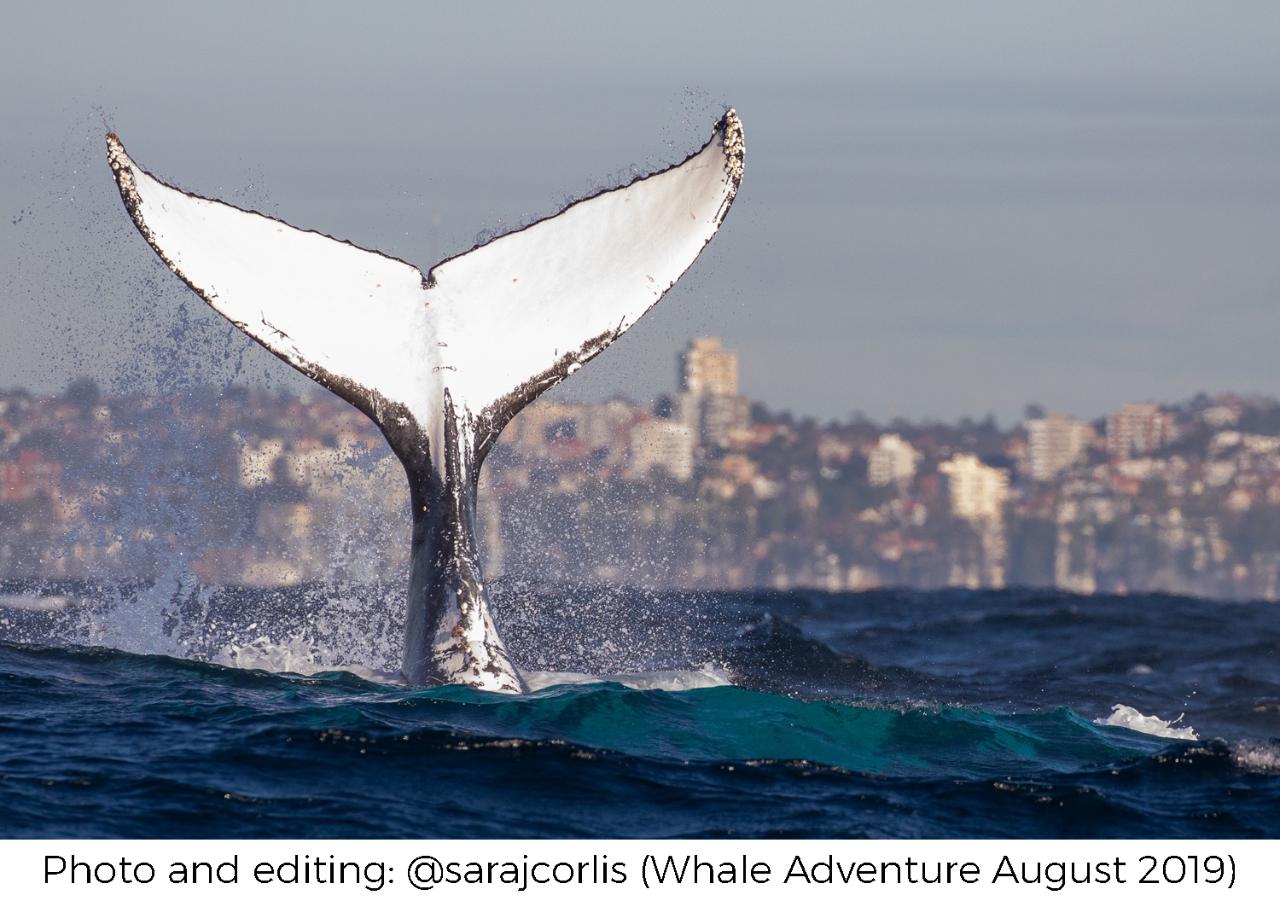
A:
(1138, 430)
(706, 368)
(977, 491)
(723, 416)
(709, 402)
(535, 427)
(257, 462)
(27, 477)
(892, 461)
(1055, 444)
(663, 444)
(978, 494)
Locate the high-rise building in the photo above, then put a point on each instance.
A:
(892, 461)
(709, 401)
(706, 368)
(722, 416)
(1138, 430)
(1055, 443)
(977, 491)
(978, 494)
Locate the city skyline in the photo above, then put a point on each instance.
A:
(699, 488)
(290, 384)
(286, 385)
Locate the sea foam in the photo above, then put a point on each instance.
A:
(661, 680)
(1129, 718)
(1257, 758)
(299, 656)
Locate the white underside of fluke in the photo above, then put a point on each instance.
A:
(442, 361)
(514, 315)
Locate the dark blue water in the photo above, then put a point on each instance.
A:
(888, 714)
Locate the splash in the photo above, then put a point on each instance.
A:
(294, 654)
(33, 602)
(303, 629)
(662, 680)
(141, 623)
(1257, 758)
(641, 640)
(1128, 718)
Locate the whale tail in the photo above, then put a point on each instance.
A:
(443, 361)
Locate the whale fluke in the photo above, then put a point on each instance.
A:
(443, 361)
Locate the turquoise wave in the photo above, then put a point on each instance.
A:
(730, 724)
(718, 724)
(102, 743)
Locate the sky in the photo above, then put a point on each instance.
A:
(948, 209)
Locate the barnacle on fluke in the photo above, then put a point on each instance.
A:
(735, 148)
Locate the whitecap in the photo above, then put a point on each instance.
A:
(1128, 718)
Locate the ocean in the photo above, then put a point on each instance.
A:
(175, 710)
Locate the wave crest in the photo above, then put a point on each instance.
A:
(1127, 717)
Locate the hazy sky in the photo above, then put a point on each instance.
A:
(949, 208)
